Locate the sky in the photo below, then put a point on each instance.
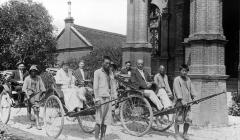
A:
(107, 15)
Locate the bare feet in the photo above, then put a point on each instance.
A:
(29, 126)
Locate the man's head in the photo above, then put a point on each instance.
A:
(81, 64)
(128, 65)
(184, 70)
(106, 62)
(21, 66)
(162, 69)
(33, 71)
(140, 64)
(65, 66)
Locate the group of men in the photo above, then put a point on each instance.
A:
(105, 89)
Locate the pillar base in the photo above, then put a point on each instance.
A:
(134, 51)
(212, 112)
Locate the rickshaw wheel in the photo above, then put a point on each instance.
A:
(53, 116)
(163, 123)
(5, 107)
(136, 115)
(87, 122)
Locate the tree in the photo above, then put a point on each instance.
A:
(93, 60)
(26, 34)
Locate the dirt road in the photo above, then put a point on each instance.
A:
(71, 131)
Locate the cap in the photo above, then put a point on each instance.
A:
(33, 67)
(20, 63)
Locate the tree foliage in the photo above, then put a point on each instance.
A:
(26, 34)
(93, 61)
(234, 110)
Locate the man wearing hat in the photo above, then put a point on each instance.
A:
(20, 74)
(33, 87)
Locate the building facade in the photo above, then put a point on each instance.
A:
(201, 33)
(76, 41)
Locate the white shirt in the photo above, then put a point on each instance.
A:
(142, 74)
(129, 73)
(82, 72)
(67, 80)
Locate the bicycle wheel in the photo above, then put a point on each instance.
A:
(136, 115)
(87, 122)
(163, 123)
(5, 107)
(53, 116)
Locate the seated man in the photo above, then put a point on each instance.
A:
(164, 91)
(73, 96)
(19, 75)
(127, 69)
(140, 80)
(33, 87)
(81, 76)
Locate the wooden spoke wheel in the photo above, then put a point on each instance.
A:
(5, 107)
(53, 116)
(163, 123)
(136, 115)
(87, 122)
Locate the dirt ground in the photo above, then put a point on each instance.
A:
(72, 131)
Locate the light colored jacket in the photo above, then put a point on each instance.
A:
(66, 79)
(183, 89)
(162, 82)
(33, 86)
(100, 84)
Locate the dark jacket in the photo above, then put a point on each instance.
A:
(125, 71)
(16, 75)
(79, 77)
(138, 81)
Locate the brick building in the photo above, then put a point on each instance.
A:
(202, 33)
(76, 41)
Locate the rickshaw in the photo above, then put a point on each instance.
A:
(17, 100)
(55, 110)
(136, 112)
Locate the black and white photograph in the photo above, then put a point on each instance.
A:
(119, 70)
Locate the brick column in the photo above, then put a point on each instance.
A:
(207, 71)
(137, 45)
(164, 37)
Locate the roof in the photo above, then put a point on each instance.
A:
(100, 38)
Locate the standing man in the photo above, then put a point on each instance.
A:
(184, 93)
(33, 87)
(141, 80)
(104, 90)
(164, 92)
(127, 69)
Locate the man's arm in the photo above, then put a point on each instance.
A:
(123, 71)
(177, 89)
(95, 85)
(42, 87)
(168, 87)
(156, 80)
(134, 80)
(25, 86)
